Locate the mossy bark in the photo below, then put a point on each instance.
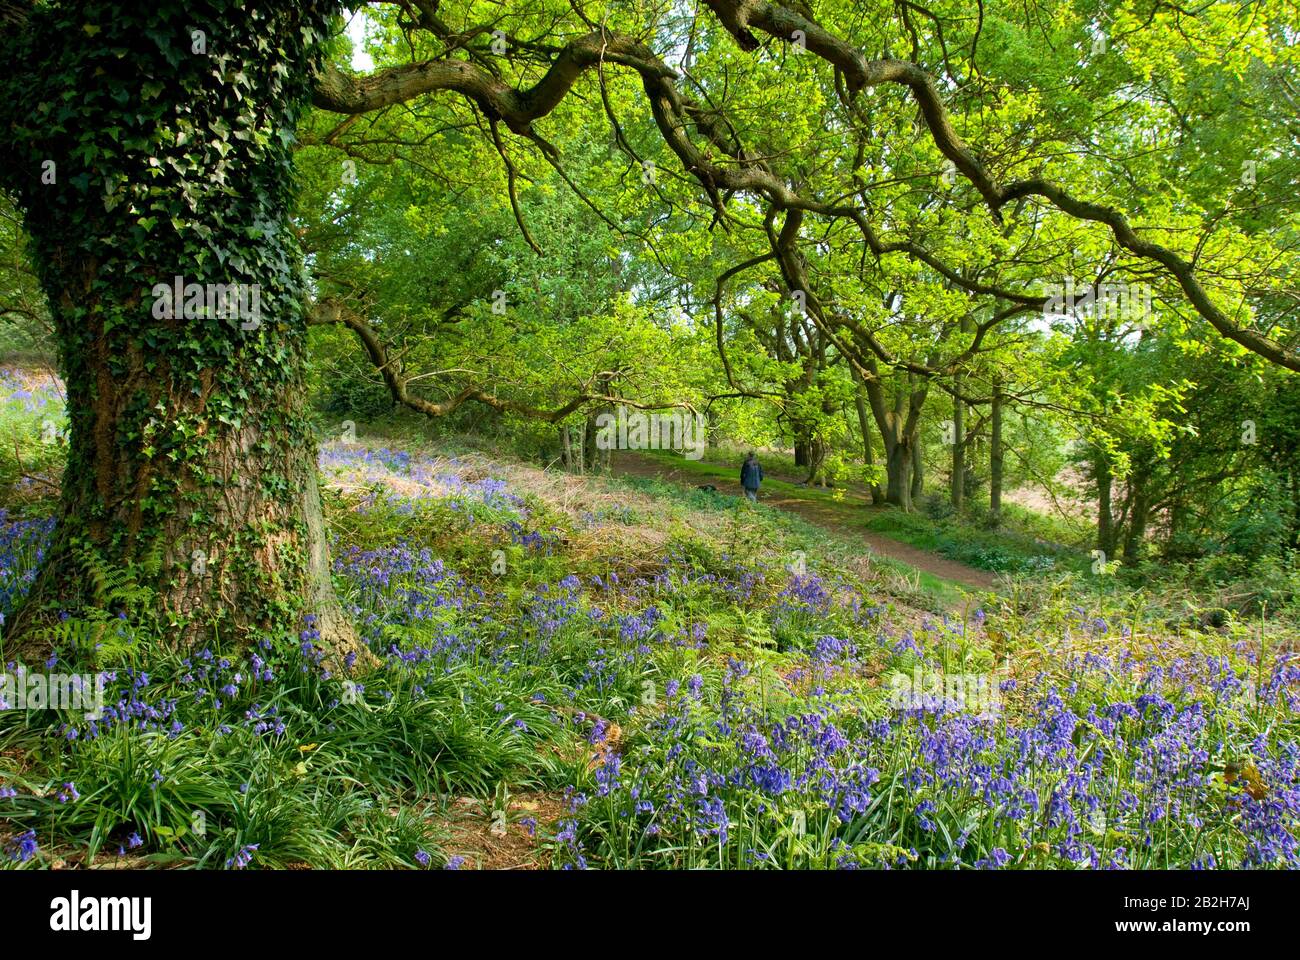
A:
(156, 146)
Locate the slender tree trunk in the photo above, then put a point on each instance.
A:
(818, 449)
(1175, 512)
(566, 447)
(864, 424)
(899, 428)
(591, 452)
(1105, 519)
(1135, 538)
(191, 471)
(957, 484)
(995, 456)
(973, 456)
(1294, 484)
(918, 471)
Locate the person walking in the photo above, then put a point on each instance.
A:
(751, 475)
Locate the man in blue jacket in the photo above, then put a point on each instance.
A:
(751, 475)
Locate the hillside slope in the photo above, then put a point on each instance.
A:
(588, 672)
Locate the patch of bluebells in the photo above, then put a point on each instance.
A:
(210, 691)
(1101, 769)
(423, 480)
(22, 547)
(22, 847)
(536, 541)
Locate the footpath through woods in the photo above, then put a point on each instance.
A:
(786, 495)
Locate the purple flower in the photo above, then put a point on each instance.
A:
(22, 847)
(243, 858)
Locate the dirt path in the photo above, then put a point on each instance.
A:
(630, 464)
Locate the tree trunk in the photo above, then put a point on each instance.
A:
(1105, 519)
(973, 455)
(566, 447)
(818, 449)
(1294, 484)
(995, 457)
(191, 472)
(590, 449)
(898, 472)
(580, 451)
(957, 484)
(899, 429)
(864, 424)
(918, 471)
(1135, 538)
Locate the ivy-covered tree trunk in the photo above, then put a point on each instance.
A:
(150, 150)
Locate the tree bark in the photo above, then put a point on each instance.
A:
(995, 456)
(590, 450)
(918, 471)
(864, 424)
(899, 428)
(1135, 538)
(957, 483)
(1294, 484)
(1105, 519)
(566, 447)
(191, 474)
(898, 467)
